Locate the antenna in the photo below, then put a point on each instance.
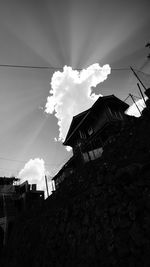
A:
(141, 93)
(46, 185)
(135, 103)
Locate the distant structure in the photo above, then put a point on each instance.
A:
(91, 130)
(14, 199)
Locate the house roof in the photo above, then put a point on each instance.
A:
(80, 118)
(76, 121)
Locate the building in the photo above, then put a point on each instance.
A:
(65, 172)
(14, 199)
(7, 191)
(90, 130)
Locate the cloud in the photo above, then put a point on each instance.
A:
(133, 111)
(71, 93)
(34, 171)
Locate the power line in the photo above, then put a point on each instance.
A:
(60, 68)
(143, 72)
(129, 95)
(59, 165)
(49, 67)
(28, 66)
(136, 96)
(120, 69)
(25, 161)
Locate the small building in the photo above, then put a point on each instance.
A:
(14, 199)
(90, 130)
(7, 207)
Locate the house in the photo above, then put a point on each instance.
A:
(14, 199)
(90, 130)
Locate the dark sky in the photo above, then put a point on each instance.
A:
(57, 33)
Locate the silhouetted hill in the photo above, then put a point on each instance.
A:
(99, 217)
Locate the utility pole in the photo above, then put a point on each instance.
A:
(135, 103)
(46, 186)
(138, 78)
(141, 93)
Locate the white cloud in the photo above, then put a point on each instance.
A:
(71, 93)
(133, 111)
(69, 148)
(34, 171)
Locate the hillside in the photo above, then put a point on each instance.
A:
(100, 216)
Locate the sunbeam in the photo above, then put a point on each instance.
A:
(75, 33)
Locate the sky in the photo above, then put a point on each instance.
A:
(56, 33)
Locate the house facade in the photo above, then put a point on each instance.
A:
(91, 129)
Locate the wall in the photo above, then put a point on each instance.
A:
(100, 120)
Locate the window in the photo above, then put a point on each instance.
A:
(110, 112)
(121, 115)
(90, 130)
(82, 134)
